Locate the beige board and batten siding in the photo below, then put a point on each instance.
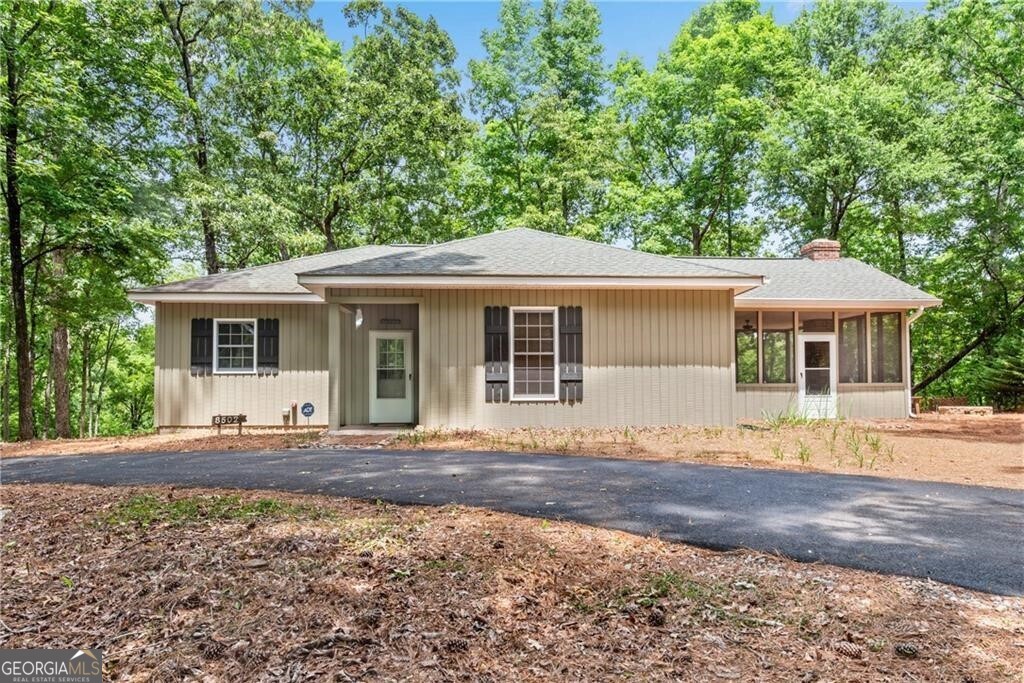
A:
(651, 357)
(184, 400)
(857, 401)
(872, 400)
(355, 357)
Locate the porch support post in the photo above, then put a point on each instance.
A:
(334, 415)
(907, 379)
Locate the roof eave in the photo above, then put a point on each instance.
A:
(832, 304)
(151, 297)
(319, 282)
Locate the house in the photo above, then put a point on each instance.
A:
(525, 328)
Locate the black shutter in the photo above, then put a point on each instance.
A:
(496, 354)
(267, 346)
(201, 355)
(570, 353)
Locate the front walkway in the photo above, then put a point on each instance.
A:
(964, 535)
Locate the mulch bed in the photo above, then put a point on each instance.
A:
(229, 585)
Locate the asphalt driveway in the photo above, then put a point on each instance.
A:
(965, 535)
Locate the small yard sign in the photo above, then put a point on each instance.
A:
(221, 420)
(307, 410)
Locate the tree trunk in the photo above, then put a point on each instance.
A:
(12, 199)
(5, 410)
(201, 151)
(98, 403)
(901, 238)
(61, 389)
(728, 230)
(83, 408)
(59, 354)
(47, 399)
(565, 209)
(991, 332)
(327, 225)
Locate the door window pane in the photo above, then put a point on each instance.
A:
(533, 358)
(777, 347)
(746, 347)
(817, 368)
(853, 356)
(886, 350)
(391, 368)
(816, 321)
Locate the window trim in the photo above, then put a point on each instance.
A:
(216, 346)
(735, 348)
(547, 398)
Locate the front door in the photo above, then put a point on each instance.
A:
(817, 366)
(391, 377)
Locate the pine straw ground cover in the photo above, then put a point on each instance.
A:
(231, 585)
(972, 450)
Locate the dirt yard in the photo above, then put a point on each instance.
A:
(185, 441)
(985, 451)
(231, 585)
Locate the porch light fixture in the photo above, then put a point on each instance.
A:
(359, 318)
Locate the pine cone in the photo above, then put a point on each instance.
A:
(848, 649)
(908, 650)
(456, 645)
(191, 601)
(656, 617)
(212, 649)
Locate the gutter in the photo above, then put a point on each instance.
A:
(150, 298)
(911, 319)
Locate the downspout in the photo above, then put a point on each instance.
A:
(906, 359)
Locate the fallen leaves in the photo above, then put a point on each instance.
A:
(302, 587)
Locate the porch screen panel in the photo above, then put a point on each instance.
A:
(886, 354)
(746, 347)
(777, 347)
(853, 348)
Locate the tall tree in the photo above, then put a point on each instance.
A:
(979, 268)
(829, 152)
(375, 129)
(695, 123)
(543, 156)
(197, 32)
(76, 122)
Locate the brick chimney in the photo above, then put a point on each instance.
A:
(821, 250)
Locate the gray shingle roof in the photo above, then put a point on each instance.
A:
(273, 278)
(525, 252)
(530, 253)
(803, 279)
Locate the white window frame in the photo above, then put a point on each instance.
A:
(216, 347)
(553, 310)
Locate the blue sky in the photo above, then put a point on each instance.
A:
(640, 28)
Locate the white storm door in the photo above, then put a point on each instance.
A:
(391, 377)
(817, 380)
